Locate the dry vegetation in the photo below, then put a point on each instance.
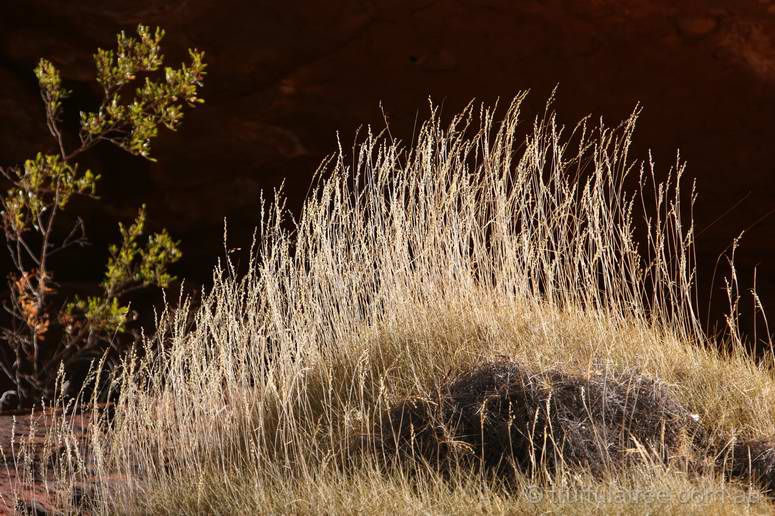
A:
(291, 388)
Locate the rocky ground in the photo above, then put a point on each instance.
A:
(17, 493)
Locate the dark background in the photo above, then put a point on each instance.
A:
(284, 77)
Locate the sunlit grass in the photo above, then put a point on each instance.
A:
(408, 266)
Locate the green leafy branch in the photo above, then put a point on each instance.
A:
(139, 95)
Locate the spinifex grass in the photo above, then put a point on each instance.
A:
(407, 267)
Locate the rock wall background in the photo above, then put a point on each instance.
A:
(284, 77)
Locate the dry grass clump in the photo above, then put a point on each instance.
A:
(511, 420)
(408, 270)
(508, 420)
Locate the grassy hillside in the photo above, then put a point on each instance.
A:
(294, 388)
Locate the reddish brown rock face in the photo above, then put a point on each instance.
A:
(285, 77)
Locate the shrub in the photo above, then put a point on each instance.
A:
(48, 334)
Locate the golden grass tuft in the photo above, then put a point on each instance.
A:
(410, 266)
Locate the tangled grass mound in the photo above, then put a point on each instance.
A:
(509, 420)
(752, 461)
